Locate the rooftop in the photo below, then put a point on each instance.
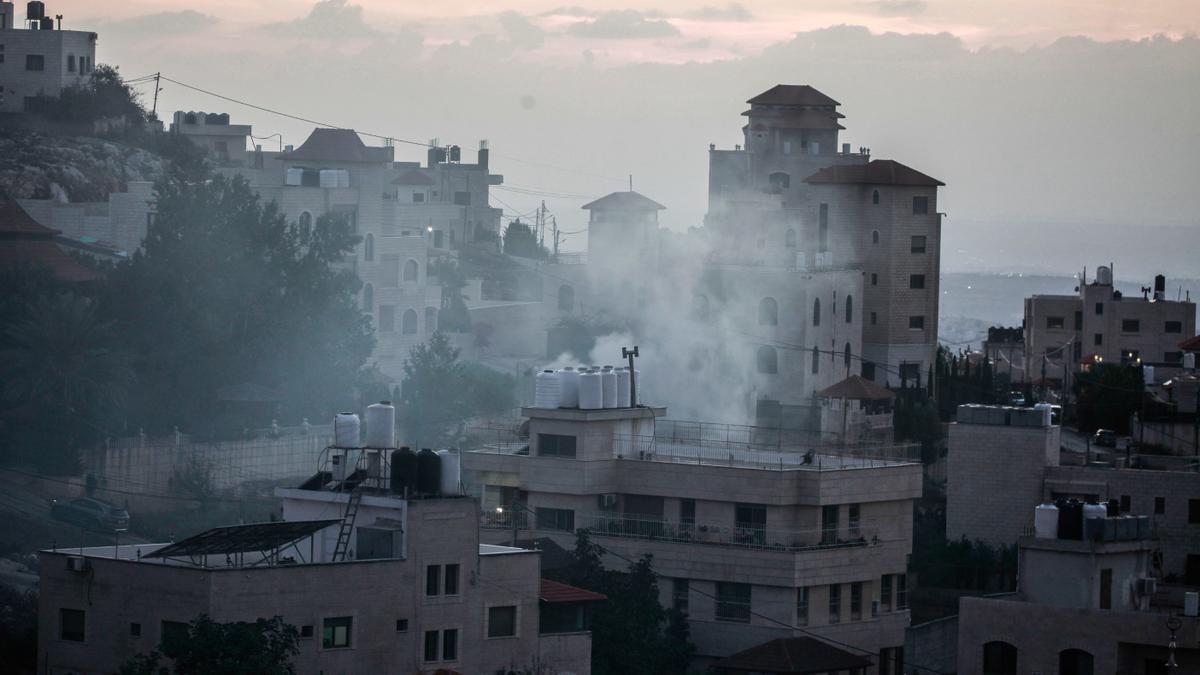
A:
(624, 201)
(796, 655)
(875, 172)
(24, 241)
(792, 94)
(335, 145)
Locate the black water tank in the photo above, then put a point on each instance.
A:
(429, 472)
(1070, 519)
(1114, 508)
(404, 471)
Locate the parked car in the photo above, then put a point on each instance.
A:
(1105, 438)
(91, 513)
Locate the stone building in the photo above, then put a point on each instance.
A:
(753, 538)
(38, 58)
(1098, 321)
(416, 591)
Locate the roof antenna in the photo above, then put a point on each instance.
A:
(631, 182)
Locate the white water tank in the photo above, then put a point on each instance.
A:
(547, 390)
(608, 380)
(1094, 511)
(1104, 275)
(623, 388)
(1148, 374)
(1047, 413)
(591, 390)
(568, 379)
(451, 483)
(380, 421)
(294, 176)
(1189, 361)
(346, 430)
(635, 388)
(329, 178)
(1045, 521)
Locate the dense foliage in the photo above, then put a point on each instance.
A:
(1108, 395)
(102, 95)
(521, 241)
(265, 647)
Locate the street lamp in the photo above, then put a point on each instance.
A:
(1173, 624)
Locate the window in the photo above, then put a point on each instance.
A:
(450, 644)
(135, 630)
(875, 196)
(433, 579)
(1160, 506)
(767, 360)
(920, 206)
(816, 361)
(835, 603)
(556, 445)
(2, 48)
(823, 230)
(779, 180)
(874, 318)
(829, 524)
(885, 593)
(408, 324)
(1078, 320)
(1106, 588)
(849, 309)
(306, 632)
(451, 580)
(916, 323)
(1055, 323)
(1173, 327)
(789, 238)
(750, 523)
(901, 591)
(918, 244)
(71, 624)
(868, 370)
(70, 63)
(410, 270)
(1130, 326)
(462, 198)
(733, 602)
(369, 247)
(1099, 308)
(391, 270)
(687, 512)
(431, 645)
(875, 236)
(566, 298)
(1194, 512)
(768, 312)
(916, 281)
(853, 519)
(1074, 662)
(441, 579)
(679, 595)
(502, 622)
(439, 239)
(387, 319)
(1098, 339)
(418, 197)
(555, 519)
(856, 601)
(999, 658)
(35, 62)
(816, 312)
(787, 147)
(335, 632)
(401, 625)
(802, 606)
(1126, 504)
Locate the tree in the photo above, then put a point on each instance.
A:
(453, 316)
(104, 94)
(225, 291)
(520, 241)
(1108, 394)
(64, 377)
(264, 647)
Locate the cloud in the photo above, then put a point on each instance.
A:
(573, 10)
(327, 18)
(732, 12)
(160, 23)
(897, 7)
(520, 31)
(623, 24)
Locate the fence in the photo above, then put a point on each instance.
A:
(749, 456)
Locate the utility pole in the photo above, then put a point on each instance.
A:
(154, 108)
(554, 224)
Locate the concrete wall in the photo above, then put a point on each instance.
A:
(931, 648)
(56, 48)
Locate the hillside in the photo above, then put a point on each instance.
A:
(75, 168)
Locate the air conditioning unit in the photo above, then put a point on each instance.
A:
(608, 501)
(1147, 586)
(77, 563)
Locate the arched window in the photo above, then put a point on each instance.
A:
(368, 298)
(875, 197)
(999, 658)
(789, 239)
(768, 312)
(410, 270)
(700, 306)
(408, 325)
(1074, 662)
(566, 298)
(847, 356)
(431, 319)
(874, 236)
(816, 311)
(369, 247)
(768, 360)
(305, 225)
(816, 360)
(849, 308)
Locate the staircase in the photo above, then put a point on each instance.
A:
(347, 527)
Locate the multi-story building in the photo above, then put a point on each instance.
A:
(225, 143)
(38, 58)
(1001, 464)
(1081, 607)
(753, 539)
(790, 198)
(1099, 321)
(1004, 348)
(411, 589)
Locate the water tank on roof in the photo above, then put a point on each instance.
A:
(35, 10)
(1046, 412)
(343, 178)
(1093, 521)
(381, 425)
(429, 472)
(346, 430)
(1045, 521)
(623, 400)
(404, 472)
(47, 23)
(451, 482)
(1189, 361)
(591, 390)
(608, 384)
(547, 390)
(1104, 275)
(455, 153)
(1070, 519)
(568, 379)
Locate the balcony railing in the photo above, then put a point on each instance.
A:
(716, 453)
(634, 526)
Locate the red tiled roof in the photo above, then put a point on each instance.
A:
(875, 172)
(1191, 344)
(624, 201)
(15, 221)
(792, 94)
(412, 177)
(797, 655)
(336, 145)
(857, 388)
(552, 591)
(24, 241)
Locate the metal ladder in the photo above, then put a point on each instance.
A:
(347, 527)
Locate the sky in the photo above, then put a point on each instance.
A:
(1063, 115)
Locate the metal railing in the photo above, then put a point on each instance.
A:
(635, 526)
(714, 453)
